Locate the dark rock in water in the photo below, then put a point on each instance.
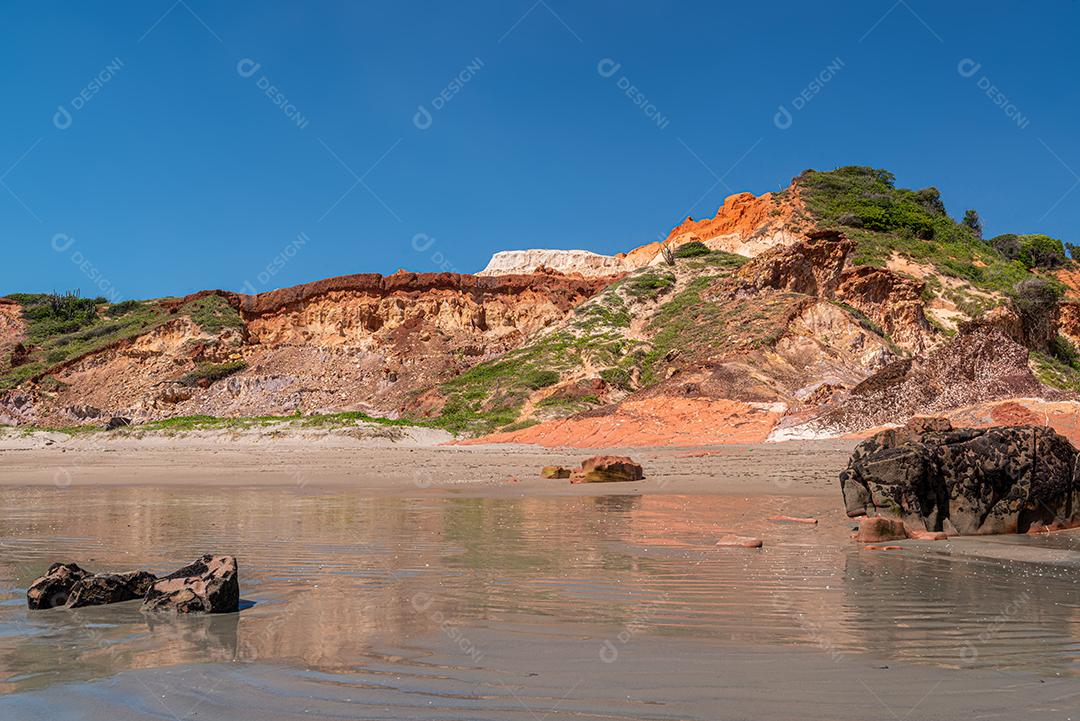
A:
(117, 422)
(106, 588)
(209, 585)
(968, 481)
(606, 469)
(52, 589)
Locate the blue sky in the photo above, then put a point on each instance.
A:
(157, 147)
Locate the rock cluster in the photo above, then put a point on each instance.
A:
(935, 478)
(209, 585)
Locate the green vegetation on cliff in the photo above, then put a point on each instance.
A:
(212, 314)
(866, 204)
(62, 327)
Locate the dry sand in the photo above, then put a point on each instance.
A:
(375, 461)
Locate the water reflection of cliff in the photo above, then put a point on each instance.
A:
(339, 578)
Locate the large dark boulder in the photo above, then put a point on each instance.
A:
(966, 481)
(106, 588)
(53, 588)
(209, 585)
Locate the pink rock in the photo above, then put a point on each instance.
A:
(928, 535)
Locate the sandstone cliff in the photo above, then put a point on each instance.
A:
(838, 304)
(357, 342)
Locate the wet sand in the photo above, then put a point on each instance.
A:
(418, 583)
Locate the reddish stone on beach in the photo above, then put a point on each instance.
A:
(555, 472)
(883, 548)
(730, 539)
(876, 529)
(607, 469)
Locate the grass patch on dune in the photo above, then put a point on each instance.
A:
(212, 314)
(489, 396)
(649, 285)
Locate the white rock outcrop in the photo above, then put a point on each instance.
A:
(586, 263)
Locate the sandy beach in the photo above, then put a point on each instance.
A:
(411, 461)
(396, 578)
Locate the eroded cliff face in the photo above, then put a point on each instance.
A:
(811, 266)
(746, 224)
(1069, 321)
(356, 342)
(892, 301)
(12, 326)
(398, 311)
(134, 377)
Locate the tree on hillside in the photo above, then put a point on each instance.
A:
(1034, 251)
(1035, 301)
(973, 221)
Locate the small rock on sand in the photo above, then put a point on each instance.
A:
(883, 548)
(607, 469)
(876, 529)
(730, 539)
(793, 519)
(555, 472)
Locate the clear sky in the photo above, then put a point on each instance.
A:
(159, 147)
